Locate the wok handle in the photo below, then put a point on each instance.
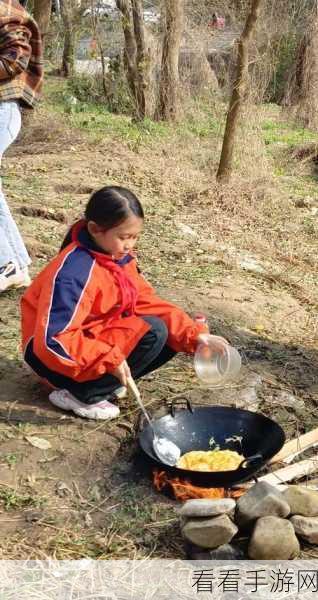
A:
(182, 400)
(251, 461)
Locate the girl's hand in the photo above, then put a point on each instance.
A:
(214, 343)
(122, 372)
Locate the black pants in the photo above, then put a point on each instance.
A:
(150, 353)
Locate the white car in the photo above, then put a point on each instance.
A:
(103, 9)
(109, 9)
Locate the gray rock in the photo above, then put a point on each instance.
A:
(209, 533)
(186, 230)
(205, 507)
(227, 552)
(250, 264)
(260, 501)
(273, 539)
(301, 501)
(306, 528)
(224, 552)
(33, 516)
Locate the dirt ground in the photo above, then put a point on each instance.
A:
(83, 495)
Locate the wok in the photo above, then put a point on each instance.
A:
(195, 429)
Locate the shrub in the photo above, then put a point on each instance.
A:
(113, 93)
(285, 52)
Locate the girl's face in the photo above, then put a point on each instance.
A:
(117, 241)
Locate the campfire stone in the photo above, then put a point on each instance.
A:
(306, 528)
(260, 501)
(273, 539)
(204, 507)
(301, 501)
(224, 552)
(209, 532)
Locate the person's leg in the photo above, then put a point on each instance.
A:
(12, 248)
(146, 351)
(149, 349)
(165, 355)
(84, 398)
(63, 398)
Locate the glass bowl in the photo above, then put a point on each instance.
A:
(214, 367)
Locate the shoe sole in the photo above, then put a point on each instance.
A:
(93, 413)
(15, 284)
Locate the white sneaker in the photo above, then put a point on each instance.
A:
(11, 276)
(101, 410)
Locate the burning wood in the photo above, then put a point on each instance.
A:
(184, 490)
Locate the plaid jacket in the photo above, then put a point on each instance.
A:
(21, 65)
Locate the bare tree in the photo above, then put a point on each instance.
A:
(68, 58)
(99, 42)
(142, 57)
(238, 94)
(130, 51)
(301, 92)
(71, 12)
(42, 14)
(167, 108)
(135, 54)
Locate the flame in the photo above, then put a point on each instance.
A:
(184, 490)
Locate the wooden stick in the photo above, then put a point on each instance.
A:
(295, 447)
(285, 474)
(300, 469)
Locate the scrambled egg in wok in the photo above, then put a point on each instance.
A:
(210, 460)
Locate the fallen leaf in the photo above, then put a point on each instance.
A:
(38, 442)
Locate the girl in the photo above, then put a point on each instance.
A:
(90, 320)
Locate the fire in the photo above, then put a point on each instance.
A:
(184, 490)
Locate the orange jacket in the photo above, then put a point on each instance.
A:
(67, 314)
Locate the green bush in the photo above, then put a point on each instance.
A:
(285, 53)
(87, 88)
(114, 94)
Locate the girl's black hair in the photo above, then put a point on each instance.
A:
(109, 207)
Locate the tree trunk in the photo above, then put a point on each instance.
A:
(130, 52)
(167, 108)
(238, 94)
(97, 38)
(142, 58)
(301, 94)
(42, 14)
(68, 58)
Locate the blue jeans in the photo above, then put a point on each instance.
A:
(150, 353)
(12, 247)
